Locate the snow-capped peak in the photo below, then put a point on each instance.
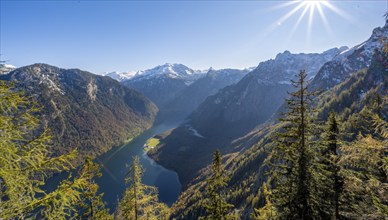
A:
(286, 65)
(6, 68)
(120, 76)
(378, 38)
(168, 70)
(351, 60)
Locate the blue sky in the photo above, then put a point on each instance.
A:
(100, 36)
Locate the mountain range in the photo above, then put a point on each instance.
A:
(163, 83)
(186, 101)
(234, 111)
(357, 79)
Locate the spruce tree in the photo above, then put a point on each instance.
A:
(216, 206)
(292, 158)
(332, 188)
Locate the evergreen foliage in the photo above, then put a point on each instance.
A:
(332, 176)
(216, 206)
(293, 158)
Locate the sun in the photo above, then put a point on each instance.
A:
(308, 9)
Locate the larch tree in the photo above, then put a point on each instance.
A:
(25, 162)
(268, 211)
(366, 163)
(91, 206)
(140, 201)
(215, 205)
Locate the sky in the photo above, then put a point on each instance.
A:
(105, 36)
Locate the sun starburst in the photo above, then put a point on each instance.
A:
(308, 9)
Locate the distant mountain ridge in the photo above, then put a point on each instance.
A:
(163, 83)
(169, 70)
(120, 76)
(83, 110)
(192, 96)
(254, 99)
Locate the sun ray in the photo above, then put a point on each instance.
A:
(306, 10)
(338, 11)
(292, 12)
(325, 22)
(296, 25)
(276, 24)
(283, 5)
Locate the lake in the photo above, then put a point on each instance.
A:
(113, 168)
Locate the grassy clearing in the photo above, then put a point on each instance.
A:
(151, 143)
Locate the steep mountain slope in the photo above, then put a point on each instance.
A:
(191, 97)
(83, 110)
(351, 60)
(162, 83)
(245, 167)
(232, 112)
(253, 100)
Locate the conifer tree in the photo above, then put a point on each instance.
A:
(366, 163)
(332, 187)
(91, 206)
(216, 206)
(139, 200)
(268, 211)
(292, 159)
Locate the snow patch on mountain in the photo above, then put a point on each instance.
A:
(6, 68)
(45, 79)
(351, 60)
(194, 131)
(168, 70)
(120, 76)
(287, 65)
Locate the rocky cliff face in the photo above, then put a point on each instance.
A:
(350, 61)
